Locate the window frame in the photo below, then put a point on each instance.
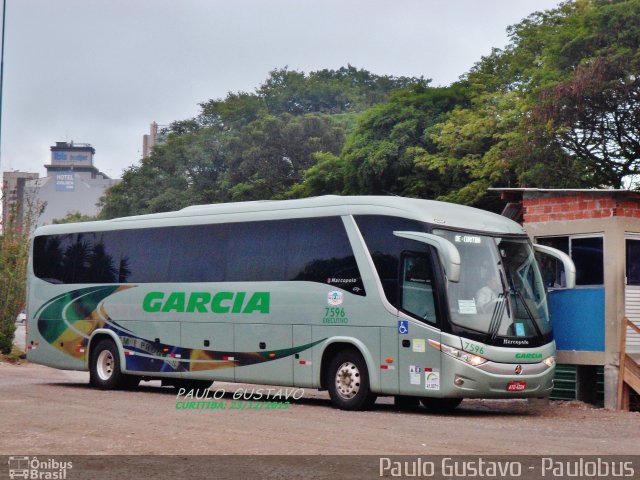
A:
(633, 237)
(331, 230)
(570, 238)
(433, 267)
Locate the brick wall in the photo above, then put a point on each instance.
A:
(578, 206)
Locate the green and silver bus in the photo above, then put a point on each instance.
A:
(361, 296)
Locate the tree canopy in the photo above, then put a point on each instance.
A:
(561, 97)
(251, 146)
(556, 108)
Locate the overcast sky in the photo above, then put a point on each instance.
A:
(100, 71)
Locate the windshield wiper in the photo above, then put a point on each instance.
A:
(529, 313)
(496, 318)
(498, 311)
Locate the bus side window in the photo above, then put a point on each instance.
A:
(385, 248)
(416, 286)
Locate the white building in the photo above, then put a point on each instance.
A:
(72, 184)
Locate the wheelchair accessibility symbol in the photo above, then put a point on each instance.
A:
(403, 327)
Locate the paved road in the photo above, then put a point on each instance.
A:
(48, 411)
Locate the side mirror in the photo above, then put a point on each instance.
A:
(447, 251)
(569, 266)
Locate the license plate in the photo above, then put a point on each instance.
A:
(516, 386)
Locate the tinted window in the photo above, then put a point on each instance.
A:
(47, 257)
(633, 261)
(104, 257)
(257, 251)
(319, 251)
(417, 286)
(200, 254)
(385, 248)
(551, 268)
(314, 250)
(144, 254)
(587, 254)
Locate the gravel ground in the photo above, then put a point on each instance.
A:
(54, 412)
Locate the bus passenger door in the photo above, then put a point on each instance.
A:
(419, 363)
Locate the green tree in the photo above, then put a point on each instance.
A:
(325, 177)
(383, 155)
(561, 97)
(468, 148)
(347, 89)
(73, 217)
(267, 157)
(185, 170)
(579, 63)
(251, 145)
(14, 253)
(235, 111)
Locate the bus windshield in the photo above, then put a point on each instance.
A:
(500, 292)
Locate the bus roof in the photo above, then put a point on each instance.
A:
(431, 211)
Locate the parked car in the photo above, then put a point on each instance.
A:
(22, 317)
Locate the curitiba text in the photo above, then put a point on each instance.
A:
(235, 405)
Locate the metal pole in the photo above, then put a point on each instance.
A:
(4, 15)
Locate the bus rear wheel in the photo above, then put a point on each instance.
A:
(441, 404)
(348, 382)
(104, 368)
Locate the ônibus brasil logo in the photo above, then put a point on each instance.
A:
(35, 468)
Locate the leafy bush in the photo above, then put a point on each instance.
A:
(14, 254)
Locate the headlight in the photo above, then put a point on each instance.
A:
(466, 357)
(550, 361)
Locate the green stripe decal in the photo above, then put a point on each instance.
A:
(59, 323)
(285, 352)
(71, 306)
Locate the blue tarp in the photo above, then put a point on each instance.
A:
(577, 317)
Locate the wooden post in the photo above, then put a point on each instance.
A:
(623, 390)
(629, 369)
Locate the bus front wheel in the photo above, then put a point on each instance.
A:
(348, 382)
(104, 371)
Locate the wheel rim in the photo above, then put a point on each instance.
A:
(105, 365)
(348, 380)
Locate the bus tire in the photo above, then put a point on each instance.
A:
(348, 381)
(440, 404)
(104, 370)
